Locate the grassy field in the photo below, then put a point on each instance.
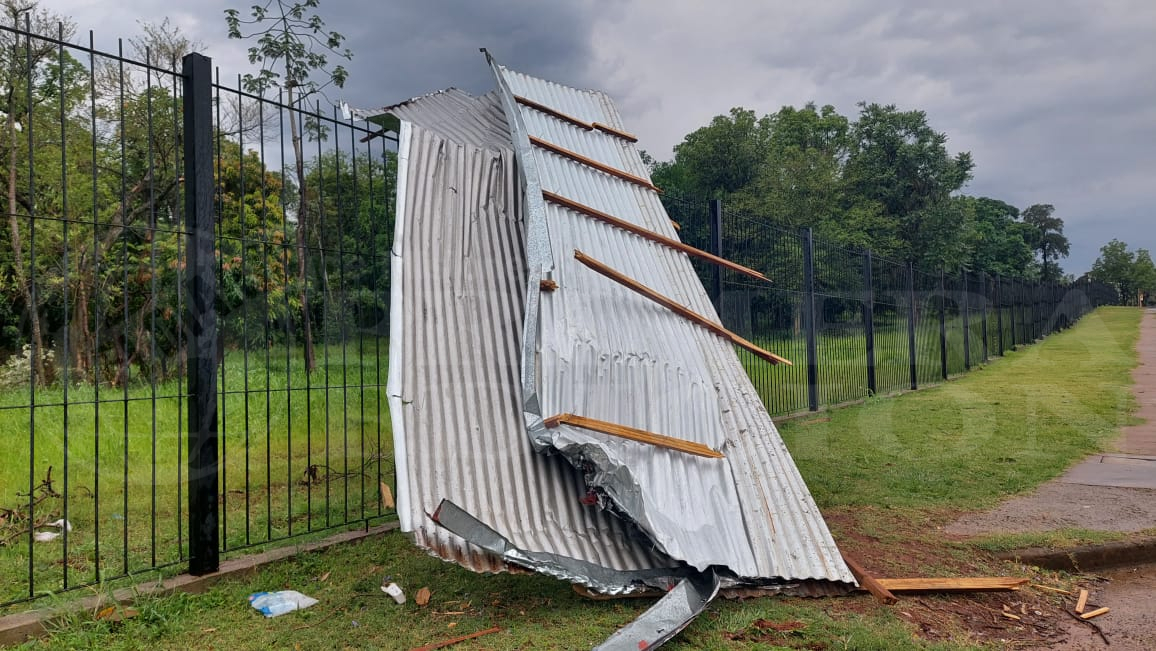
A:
(886, 473)
(126, 462)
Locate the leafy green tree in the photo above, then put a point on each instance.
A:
(722, 157)
(1145, 276)
(897, 160)
(291, 45)
(1116, 266)
(1047, 238)
(1002, 244)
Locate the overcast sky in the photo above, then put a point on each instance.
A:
(1055, 99)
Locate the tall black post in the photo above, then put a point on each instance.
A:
(716, 248)
(809, 319)
(999, 311)
(201, 317)
(1012, 315)
(869, 320)
(911, 323)
(983, 282)
(942, 326)
(966, 324)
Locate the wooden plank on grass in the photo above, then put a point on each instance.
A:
(1082, 602)
(634, 434)
(954, 584)
(868, 582)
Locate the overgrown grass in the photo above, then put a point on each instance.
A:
(882, 466)
(127, 457)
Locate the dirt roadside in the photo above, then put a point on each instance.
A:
(1113, 491)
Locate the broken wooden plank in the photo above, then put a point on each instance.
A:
(1011, 616)
(954, 584)
(649, 234)
(1082, 602)
(634, 434)
(868, 582)
(590, 162)
(455, 640)
(1050, 589)
(671, 305)
(606, 128)
(1094, 613)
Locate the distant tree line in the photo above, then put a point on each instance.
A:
(883, 181)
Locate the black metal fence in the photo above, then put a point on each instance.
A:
(193, 312)
(856, 325)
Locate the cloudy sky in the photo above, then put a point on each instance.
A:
(1055, 99)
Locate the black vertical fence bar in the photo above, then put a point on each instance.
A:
(201, 317)
(716, 236)
(911, 316)
(869, 320)
(33, 314)
(942, 326)
(999, 313)
(983, 304)
(67, 298)
(809, 320)
(963, 306)
(1011, 311)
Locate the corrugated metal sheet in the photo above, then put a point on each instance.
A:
(601, 351)
(458, 284)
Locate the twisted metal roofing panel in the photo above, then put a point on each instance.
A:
(596, 349)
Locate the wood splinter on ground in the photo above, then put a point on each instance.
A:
(455, 640)
(1094, 613)
(1082, 602)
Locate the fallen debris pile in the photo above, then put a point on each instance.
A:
(563, 395)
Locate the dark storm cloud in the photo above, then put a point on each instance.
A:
(1055, 99)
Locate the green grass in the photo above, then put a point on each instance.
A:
(533, 612)
(1056, 539)
(266, 450)
(999, 430)
(884, 471)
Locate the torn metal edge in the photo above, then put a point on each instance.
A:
(394, 380)
(607, 581)
(667, 617)
(539, 259)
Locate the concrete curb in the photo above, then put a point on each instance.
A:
(19, 628)
(1088, 557)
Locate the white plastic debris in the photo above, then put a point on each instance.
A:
(272, 604)
(394, 590)
(49, 536)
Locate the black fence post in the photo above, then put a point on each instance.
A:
(911, 323)
(942, 326)
(716, 248)
(201, 317)
(983, 282)
(1012, 300)
(869, 320)
(809, 319)
(999, 312)
(966, 324)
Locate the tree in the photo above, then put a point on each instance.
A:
(722, 157)
(292, 44)
(1145, 276)
(23, 62)
(1048, 238)
(897, 160)
(1001, 243)
(1116, 266)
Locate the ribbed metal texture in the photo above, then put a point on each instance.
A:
(459, 285)
(605, 352)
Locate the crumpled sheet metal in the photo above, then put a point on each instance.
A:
(606, 353)
(458, 275)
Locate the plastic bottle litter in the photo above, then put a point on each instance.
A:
(394, 590)
(272, 604)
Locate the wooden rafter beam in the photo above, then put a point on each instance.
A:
(634, 434)
(649, 234)
(868, 582)
(678, 309)
(581, 124)
(590, 162)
